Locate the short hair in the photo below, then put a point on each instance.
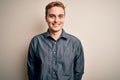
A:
(53, 4)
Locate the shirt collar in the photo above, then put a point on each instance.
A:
(63, 35)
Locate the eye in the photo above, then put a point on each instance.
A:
(51, 15)
(61, 15)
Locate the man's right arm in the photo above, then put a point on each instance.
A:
(31, 62)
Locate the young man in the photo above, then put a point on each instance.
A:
(55, 54)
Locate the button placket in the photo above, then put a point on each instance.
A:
(54, 59)
(54, 48)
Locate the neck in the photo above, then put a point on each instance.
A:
(55, 35)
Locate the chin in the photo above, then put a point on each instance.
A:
(56, 29)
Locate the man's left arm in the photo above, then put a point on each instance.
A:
(79, 63)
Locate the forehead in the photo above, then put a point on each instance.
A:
(56, 10)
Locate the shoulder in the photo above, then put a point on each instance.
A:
(73, 39)
(38, 37)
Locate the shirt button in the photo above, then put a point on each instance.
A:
(54, 52)
(54, 62)
(53, 72)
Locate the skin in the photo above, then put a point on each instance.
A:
(55, 20)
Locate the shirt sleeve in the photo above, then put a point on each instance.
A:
(31, 62)
(79, 63)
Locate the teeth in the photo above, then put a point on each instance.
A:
(56, 24)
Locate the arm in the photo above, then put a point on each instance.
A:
(79, 63)
(31, 62)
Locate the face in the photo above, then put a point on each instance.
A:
(55, 19)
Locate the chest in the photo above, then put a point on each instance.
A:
(62, 52)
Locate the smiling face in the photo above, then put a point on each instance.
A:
(55, 18)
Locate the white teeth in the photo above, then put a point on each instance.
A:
(56, 24)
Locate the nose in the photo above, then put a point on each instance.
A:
(56, 19)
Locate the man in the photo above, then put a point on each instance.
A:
(55, 54)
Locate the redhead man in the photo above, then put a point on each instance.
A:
(55, 54)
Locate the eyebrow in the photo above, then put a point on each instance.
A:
(55, 14)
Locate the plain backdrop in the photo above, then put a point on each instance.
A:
(95, 22)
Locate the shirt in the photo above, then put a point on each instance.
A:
(49, 59)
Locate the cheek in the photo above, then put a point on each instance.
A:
(62, 20)
(49, 20)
